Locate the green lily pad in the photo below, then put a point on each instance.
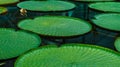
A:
(117, 43)
(70, 56)
(106, 6)
(94, 0)
(14, 43)
(5, 2)
(46, 5)
(3, 10)
(108, 21)
(57, 26)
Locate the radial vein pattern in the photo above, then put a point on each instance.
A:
(46, 5)
(56, 26)
(108, 21)
(70, 56)
(14, 43)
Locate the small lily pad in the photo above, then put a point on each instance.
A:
(108, 21)
(106, 6)
(117, 43)
(5, 2)
(3, 10)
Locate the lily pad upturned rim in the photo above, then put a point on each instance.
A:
(44, 35)
(49, 10)
(69, 45)
(9, 3)
(4, 10)
(97, 18)
(91, 46)
(31, 34)
(101, 10)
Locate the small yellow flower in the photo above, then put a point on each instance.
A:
(23, 12)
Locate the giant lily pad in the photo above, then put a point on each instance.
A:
(46, 5)
(14, 43)
(5, 2)
(3, 10)
(108, 21)
(106, 6)
(117, 43)
(70, 56)
(57, 26)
